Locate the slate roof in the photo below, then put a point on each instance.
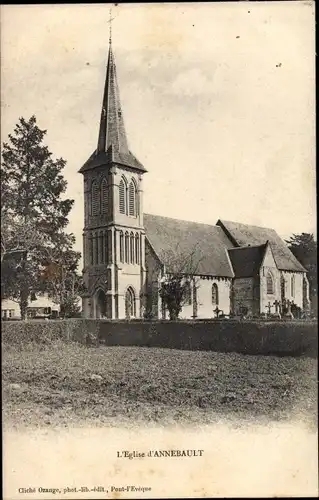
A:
(207, 244)
(244, 235)
(246, 261)
(110, 157)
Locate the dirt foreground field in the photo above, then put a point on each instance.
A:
(70, 385)
(73, 415)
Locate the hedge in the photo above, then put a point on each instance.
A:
(46, 332)
(248, 337)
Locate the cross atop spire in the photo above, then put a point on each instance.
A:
(110, 26)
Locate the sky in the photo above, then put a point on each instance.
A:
(218, 101)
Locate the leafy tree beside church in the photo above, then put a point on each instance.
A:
(34, 214)
(304, 248)
(179, 280)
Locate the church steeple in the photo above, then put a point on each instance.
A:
(112, 144)
(113, 235)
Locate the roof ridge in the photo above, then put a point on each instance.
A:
(207, 245)
(184, 220)
(249, 225)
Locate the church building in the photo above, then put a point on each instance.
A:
(126, 253)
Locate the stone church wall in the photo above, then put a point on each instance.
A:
(205, 307)
(243, 295)
(129, 275)
(153, 306)
(269, 265)
(294, 293)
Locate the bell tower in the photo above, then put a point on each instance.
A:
(113, 234)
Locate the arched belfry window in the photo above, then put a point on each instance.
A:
(104, 196)
(95, 198)
(215, 295)
(270, 284)
(132, 198)
(123, 195)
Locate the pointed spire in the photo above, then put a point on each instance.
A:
(112, 146)
(112, 129)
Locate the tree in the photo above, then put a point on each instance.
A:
(179, 278)
(60, 279)
(304, 248)
(19, 260)
(34, 212)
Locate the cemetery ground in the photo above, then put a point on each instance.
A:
(68, 384)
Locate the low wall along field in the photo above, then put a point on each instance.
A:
(290, 338)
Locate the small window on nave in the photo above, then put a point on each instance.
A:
(270, 284)
(215, 297)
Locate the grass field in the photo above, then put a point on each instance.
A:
(69, 384)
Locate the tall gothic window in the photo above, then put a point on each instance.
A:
(127, 247)
(132, 198)
(215, 295)
(292, 285)
(96, 248)
(132, 247)
(121, 247)
(188, 294)
(123, 195)
(270, 284)
(101, 248)
(104, 196)
(95, 198)
(91, 250)
(106, 248)
(137, 249)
